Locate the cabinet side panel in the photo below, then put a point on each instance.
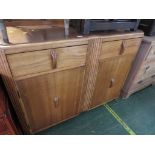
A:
(12, 91)
(141, 55)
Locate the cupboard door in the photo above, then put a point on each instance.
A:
(67, 93)
(51, 98)
(110, 79)
(119, 76)
(36, 95)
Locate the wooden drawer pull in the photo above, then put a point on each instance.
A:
(56, 101)
(112, 83)
(54, 59)
(139, 82)
(122, 48)
(146, 69)
(152, 76)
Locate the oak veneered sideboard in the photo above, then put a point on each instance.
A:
(50, 82)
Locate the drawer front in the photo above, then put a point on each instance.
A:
(146, 71)
(151, 55)
(138, 85)
(121, 47)
(47, 60)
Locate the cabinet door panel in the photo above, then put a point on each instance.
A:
(102, 82)
(110, 79)
(51, 98)
(68, 90)
(36, 94)
(119, 76)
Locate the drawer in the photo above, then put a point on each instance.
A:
(121, 47)
(146, 71)
(151, 55)
(46, 60)
(141, 84)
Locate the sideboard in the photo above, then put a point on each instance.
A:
(53, 81)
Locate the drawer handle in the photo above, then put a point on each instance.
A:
(139, 82)
(152, 76)
(146, 69)
(56, 101)
(123, 47)
(112, 83)
(54, 59)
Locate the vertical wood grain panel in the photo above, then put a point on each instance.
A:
(94, 48)
(39, 94)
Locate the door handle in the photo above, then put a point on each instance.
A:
(56, 101)
(112, 81)
(54, 59)
(123, 47)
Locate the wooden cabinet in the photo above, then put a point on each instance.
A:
(142, 73)
(50, 82)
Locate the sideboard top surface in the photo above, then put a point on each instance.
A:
(30, 39)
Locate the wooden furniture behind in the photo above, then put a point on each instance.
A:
(7, 125)
(142, 73)
(86, 26)
(50, 82)
(34, 22)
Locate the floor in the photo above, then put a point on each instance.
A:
(135, 115)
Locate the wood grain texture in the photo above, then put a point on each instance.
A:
(73, 41)
(110, 79)
(19, 48)
(12, 91)
(136, 86)
(94, 49)
(36, 22)
(145, 71)
(107, 49)
(29, 63)
(113, 48)
(51, 98)
(151, 55)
